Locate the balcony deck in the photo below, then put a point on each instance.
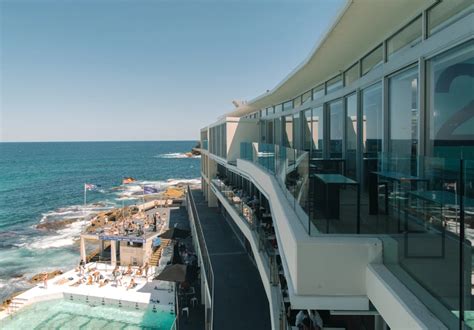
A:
(240, 301)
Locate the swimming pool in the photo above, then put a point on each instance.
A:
(64, 314)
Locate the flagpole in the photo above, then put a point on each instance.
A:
(85, 203)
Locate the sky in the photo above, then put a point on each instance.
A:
(111, 70)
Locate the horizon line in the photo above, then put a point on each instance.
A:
(79, 141)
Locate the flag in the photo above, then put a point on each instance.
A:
(90, 186)
(149, 190)
(128, 180)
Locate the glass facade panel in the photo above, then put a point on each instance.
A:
(335, 129)
(318, 92)
(306, 97)
(297, 131)
(277, 130)
(352, 74)
(287, 105)
(278, 108)
(334, 84)
(351, 136)
(372, 129)
(307, 130)
(450, 103)
(269, 127)
(317, 132)
(269, 111)
(297, 102)
(408, 37)
(404, 120)
(288, 131)
(372, 60)
(445, 13)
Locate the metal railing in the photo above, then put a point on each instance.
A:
(206, 260)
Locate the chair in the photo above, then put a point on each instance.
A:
(185, 309)
(194, 301)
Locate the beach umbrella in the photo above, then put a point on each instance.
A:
(173, 273)
(173, 233)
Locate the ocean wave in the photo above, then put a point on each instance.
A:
(134, 191)
(177, 155)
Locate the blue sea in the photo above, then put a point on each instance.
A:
(44, 182)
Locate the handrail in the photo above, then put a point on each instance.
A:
(209, 273)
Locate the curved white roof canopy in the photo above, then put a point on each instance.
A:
(360, 26)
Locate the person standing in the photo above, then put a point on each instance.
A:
(45, 280)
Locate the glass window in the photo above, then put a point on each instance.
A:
(446, 13)
(269, 111)
(296, 131)
(288, 131)
(450, 102)
(404, 119)
(318, 92)
(269, 125)
(277, 130)
(335, 129)
(306, 97)
(278, 108)
(317, 130)
(372, 129)
(334, 84)
(351, 136)
(307, 130)
(372, 60)
(352, 74)
(287, 105)
(408, 37)
(297, 102)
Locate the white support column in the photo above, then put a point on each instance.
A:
(113, 252)
(83, 250)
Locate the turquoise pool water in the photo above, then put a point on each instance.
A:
(63, 314)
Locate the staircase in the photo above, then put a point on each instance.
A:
(16, 304)
(156, 255)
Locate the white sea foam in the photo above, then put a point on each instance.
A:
(177, 155)
(133, 191)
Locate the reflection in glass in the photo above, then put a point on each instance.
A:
(296, 131)
(408, 37)
(372, 129)
(451, 103)
(372, 60)
(318, 92)
(334, 84)
(351, 136)
(307, 130)
(335, 129)
(288, 131)
(317, 132)
(404, 118)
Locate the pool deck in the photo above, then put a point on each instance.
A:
(239, 297)
(147, 292)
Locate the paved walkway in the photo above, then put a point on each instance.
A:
(240, 300)
(196, 319)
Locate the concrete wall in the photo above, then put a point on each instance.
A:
(240, 130)
(127, 253)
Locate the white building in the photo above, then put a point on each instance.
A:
(362, 162)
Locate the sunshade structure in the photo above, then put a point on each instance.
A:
(174, 233)
(173, 273)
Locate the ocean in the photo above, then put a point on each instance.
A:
(44, 182)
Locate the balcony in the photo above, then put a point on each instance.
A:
(421, 208)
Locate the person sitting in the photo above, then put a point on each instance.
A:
(302, 314)
(96, 276)
(103, 283)
(132, 284)
(89, 280)
(316, 320)
(139, 272)
(128, 271)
